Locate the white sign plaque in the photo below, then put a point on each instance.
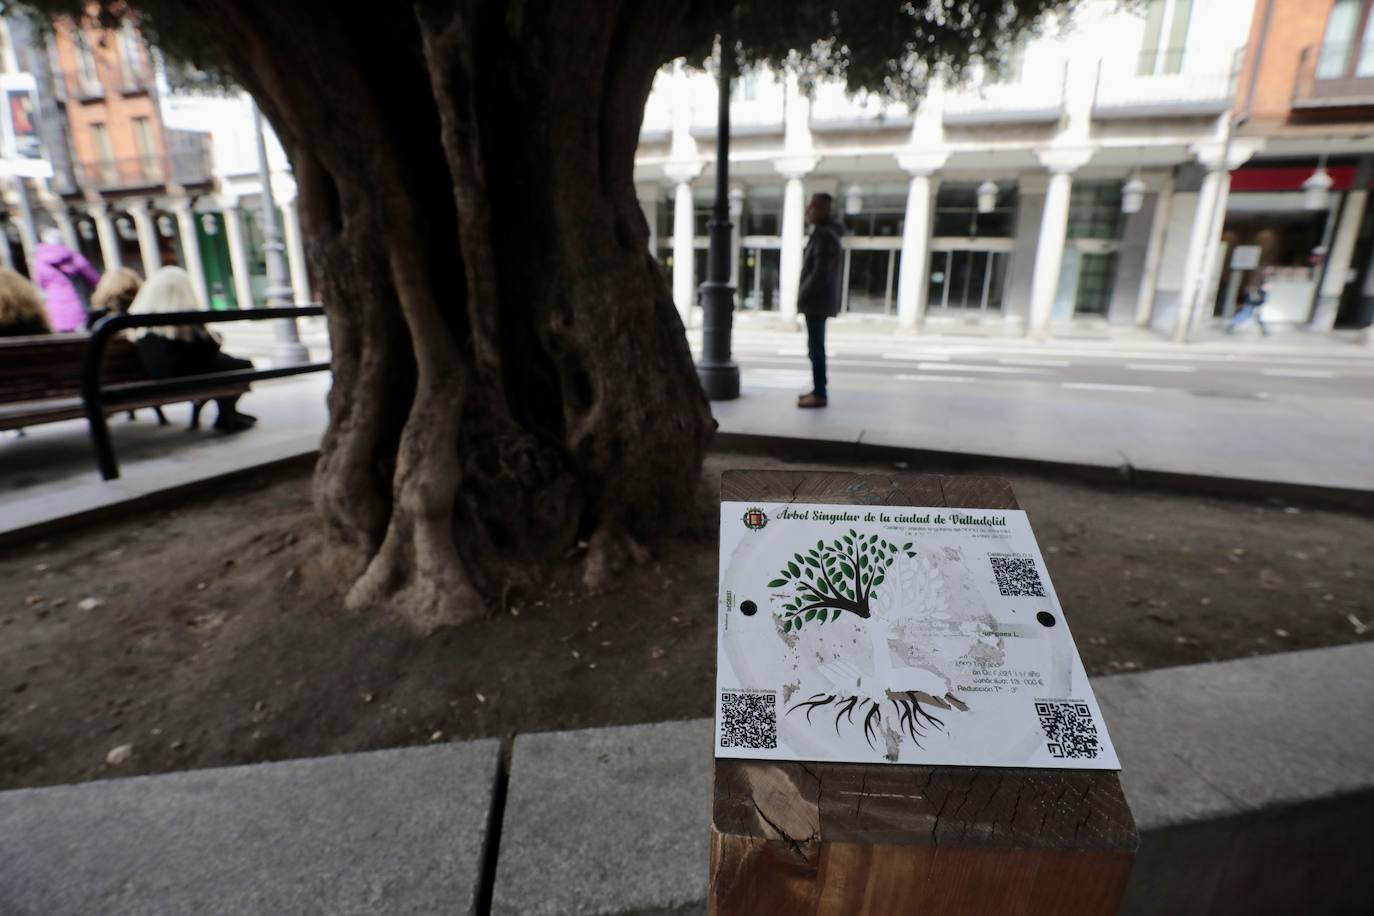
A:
(885, 634)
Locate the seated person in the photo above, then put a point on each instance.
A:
(21, 307)
(177, 350)
(113, 294)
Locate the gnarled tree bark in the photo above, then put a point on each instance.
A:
(510, 374)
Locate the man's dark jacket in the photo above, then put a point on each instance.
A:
(822, 272)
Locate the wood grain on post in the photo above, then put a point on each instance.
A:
(841, 839)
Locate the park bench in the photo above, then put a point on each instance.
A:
(66, 376)
(40, 380)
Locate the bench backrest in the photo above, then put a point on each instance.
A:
(37, 368)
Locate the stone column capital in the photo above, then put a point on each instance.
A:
(921, 163)
(795, 167)
(1064, 160)
(683, 171)
(179, 205)
(1218, 156)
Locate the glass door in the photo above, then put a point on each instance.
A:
(869, 280)
(967, 280)
(759, 270)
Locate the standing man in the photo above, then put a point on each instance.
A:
(819, 296)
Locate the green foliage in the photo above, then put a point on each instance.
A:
(884, 46)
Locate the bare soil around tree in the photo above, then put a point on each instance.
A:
(203, 634)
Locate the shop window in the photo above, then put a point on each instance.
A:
(1095, 210)
(763, 211)
(957, 216)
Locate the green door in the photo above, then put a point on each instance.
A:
(214, 258)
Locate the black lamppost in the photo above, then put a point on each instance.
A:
(717, 371)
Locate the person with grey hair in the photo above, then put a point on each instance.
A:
(66, 279)
(185, 349)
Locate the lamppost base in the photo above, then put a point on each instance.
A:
(720, 381)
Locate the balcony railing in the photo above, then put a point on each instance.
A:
(1038, 101)
(1335, 76)
(1162, 95)
(187, 168)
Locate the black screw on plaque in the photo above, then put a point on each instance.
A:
(1046, 618)
(748, 608)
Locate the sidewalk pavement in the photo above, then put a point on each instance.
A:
(1294, 441)
(1303, 442)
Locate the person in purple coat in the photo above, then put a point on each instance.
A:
(57, 270)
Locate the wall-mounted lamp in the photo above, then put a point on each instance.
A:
(1133, 194)
(987, 196)
(208, 224)
(165, 226)
(1316, 190)
(854, 200)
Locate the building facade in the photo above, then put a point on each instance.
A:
(1305, 98)
(1085, 184)
(143, 174)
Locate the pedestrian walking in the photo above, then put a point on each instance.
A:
(818, 298)
(1252, 302)
(66, 279)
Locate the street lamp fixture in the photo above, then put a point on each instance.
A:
(987, 196)
(1133, 194)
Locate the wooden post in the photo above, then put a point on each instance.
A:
(831, 839)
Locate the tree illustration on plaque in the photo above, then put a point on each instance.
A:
(831, 579)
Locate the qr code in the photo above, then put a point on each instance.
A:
(1069, 726)
(749, 720)
(1017, 576)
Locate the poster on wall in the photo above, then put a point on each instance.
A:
(20, 142)
(881, 634)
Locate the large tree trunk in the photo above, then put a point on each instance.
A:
(510, 374)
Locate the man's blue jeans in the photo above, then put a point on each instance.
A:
(815, 348)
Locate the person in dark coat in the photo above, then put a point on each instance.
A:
(177, 350)
(819, 296)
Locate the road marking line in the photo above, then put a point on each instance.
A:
(1158, 367)
(1298, 373)
(964, 367)
(916, 356)
(935, 378)
(1048, 363)
(1095, 386)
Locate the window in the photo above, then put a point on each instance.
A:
(957, 216)
(1348, 43)
(745, 87)
(132, 61)
(1012, 68)
(881, 214)
(86, 70)
(103, 168)
(147, 149)
(1166, 35)
(1095, 210)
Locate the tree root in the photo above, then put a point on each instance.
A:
(609, 551)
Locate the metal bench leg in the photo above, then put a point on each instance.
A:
(104, 451)
(161, 417)
(196, 408)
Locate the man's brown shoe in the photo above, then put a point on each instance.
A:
(811, 400)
